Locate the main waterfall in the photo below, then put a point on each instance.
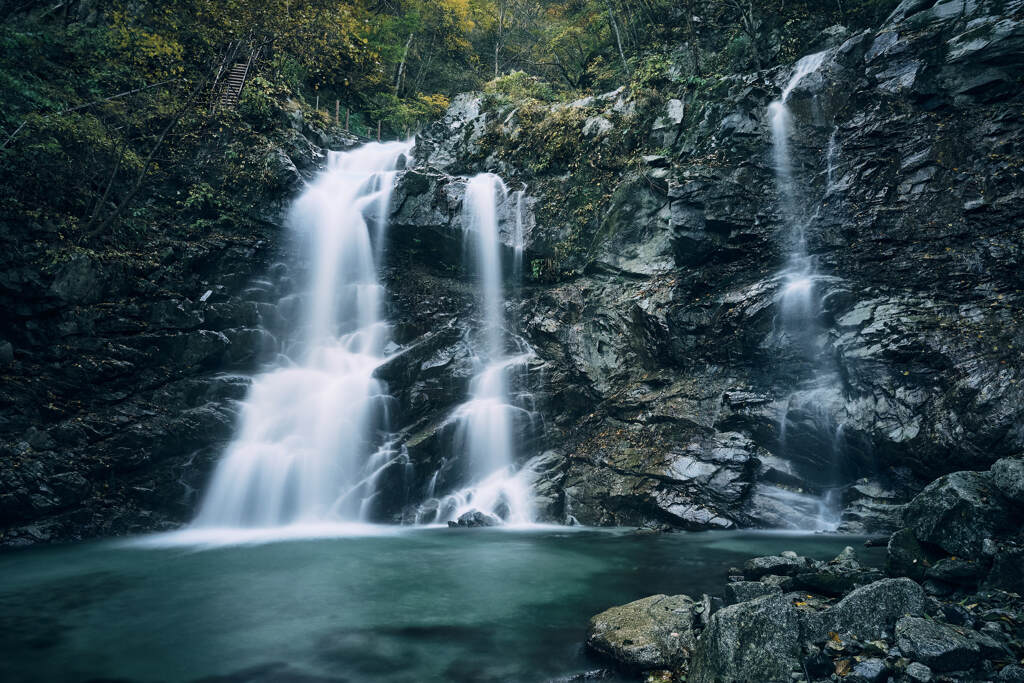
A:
(313, 431)
(800, 308)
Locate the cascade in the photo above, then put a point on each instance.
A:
(485, 427)
(800, 309)
(313, 430)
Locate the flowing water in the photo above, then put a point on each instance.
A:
(401, 605)
(313, 431)
(800, 306)
(485, 425)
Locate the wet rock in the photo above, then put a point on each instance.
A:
(918, 672)
(741, 591)
(653, 633)
(958, 571)
(1008, 476)
(475, 518)
(836, 577)
(870, 611)
(905, 556)
(780, 565)
(871, 670)
(941, 647)
(1011, 674)
(957, 512)
(757, 640)
(1007, 572)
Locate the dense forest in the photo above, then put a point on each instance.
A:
(116, 102)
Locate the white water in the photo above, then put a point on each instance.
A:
(313, 431)
(799, 301)
(485, 424)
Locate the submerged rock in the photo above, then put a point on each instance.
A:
(475, 518)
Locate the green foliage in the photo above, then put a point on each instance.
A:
(113, 116)
(651, 71)
(518, 86)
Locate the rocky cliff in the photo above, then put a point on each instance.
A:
(656, 243)
(664, 390)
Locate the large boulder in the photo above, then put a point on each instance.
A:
(870, 612)
(649, 634)
(940, 646)
(757, 640)
(958, 511)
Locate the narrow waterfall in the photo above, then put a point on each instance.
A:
(800, 309)
(485, 426)
(313, 431)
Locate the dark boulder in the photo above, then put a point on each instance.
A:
(940, 646)
(1008, 476)
(957, 571)
(1007, 572)
(757, 640)
(957, 512)
(741, 591)
(905, 556)
(475, 518)
(871, 611)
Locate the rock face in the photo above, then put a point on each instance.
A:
(649, 634)
(661, 374)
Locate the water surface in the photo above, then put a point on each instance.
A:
(415, 605)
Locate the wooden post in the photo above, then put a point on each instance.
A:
(337, 112)
(378, 131)
(318, 101)
(348, 112)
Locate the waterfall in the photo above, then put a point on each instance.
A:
(485, 426)
(313, 430)
(800, 307)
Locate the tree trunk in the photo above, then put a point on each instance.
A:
(618, 38)
(401, 65)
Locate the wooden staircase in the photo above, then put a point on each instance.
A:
(233, 72)
(232, 86)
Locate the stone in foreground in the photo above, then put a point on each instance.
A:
(648, 634)
(758, 640)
